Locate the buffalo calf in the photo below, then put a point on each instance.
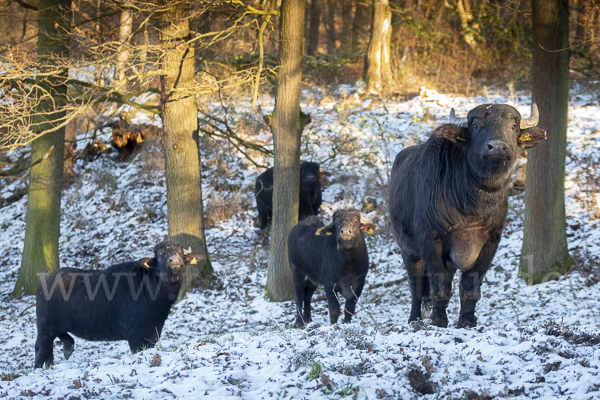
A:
(334, 256)
(448, 203)
(128, 301)
(309, 198)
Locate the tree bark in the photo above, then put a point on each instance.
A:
(125, 29)
(315, 24)
(329, 8)
(545, 253)
(180, 141)
(69, 151)
(42, 221)
(378, 67)
(347, 9)
(469, 29)
(362, 13)
(287, 126)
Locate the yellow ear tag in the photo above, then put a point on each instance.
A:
(146, 265)
(328, 233)
(194, 261)
(370, 231)
(525, 137)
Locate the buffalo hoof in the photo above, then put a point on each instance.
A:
(68, 350)
(439, 319)
(467, 322)
(299, 324)
(333, 318)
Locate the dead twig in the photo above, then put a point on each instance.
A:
(388, 284)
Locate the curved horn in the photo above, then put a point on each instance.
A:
(462, 122)
(533, 120)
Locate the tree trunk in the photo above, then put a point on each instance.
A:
(545, 254)
(377, 64)
(180, 141)
(315, 24)
(362, 13)
(69, 151)
(287, 127)
(307, 5)
(42, 221)
(580, 23)
(347, 8)
(330, 15)
(125, 29)
(468, 28)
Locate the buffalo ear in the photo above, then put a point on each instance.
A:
(147, 263)
(193, 258)
(531, 137)
(453, 133)
(326, 230)
(369, 228)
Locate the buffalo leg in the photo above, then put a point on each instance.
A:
(440, 278)
(139, 341)
(418, 284)
(309, 290)
(300, 290)
(263, 219)
(68, 344)
(350, 305)
(334, 304)
(426, 308)
(470, 285)
(44, 351)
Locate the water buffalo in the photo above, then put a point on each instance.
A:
(448, 202)
(128, 301)
(334, 256)
(310, 193)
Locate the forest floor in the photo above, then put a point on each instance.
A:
(229, 342)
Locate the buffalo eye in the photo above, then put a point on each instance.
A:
(514, 127)
(475, 126)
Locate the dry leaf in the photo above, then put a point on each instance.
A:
(156, 360)
(427, 364)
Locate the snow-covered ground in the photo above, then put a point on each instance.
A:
(229, 342)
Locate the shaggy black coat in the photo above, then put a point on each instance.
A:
(128, 301)
(309, 197)
(334, 256)
(448, 203)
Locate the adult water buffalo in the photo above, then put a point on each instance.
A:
(128, 301)
(309, 195)
(448, 202)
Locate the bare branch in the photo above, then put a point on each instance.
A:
(27, 5)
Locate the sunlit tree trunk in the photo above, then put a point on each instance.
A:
(470, 29)
(378, 67)
(545, 254)
(287, 126)
(180, 141)
(42, 221)
(125, 29)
